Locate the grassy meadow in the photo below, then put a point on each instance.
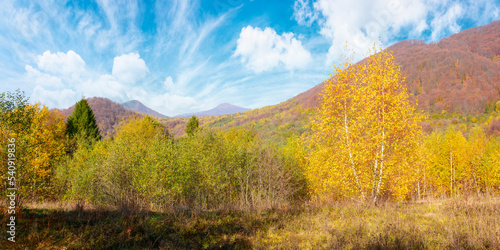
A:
(461, 223)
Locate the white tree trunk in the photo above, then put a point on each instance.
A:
(350, 153)
(451, 173)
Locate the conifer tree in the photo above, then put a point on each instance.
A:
(82, 122)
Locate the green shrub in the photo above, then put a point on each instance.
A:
(142, 168)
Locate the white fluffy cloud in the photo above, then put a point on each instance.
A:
(262, 50)
(60, 79)
(60, 63)
(168, 83)
(129, 68)
(361, 22)
(54, 98)
(42, 79)
(171, 104)
(166, 103)
(104, 86)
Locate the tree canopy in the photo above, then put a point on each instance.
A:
(192, 125)
(37, 135)
(15, 111)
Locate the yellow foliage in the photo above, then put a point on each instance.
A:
(455, 165)
(39, 146)
(489, 173)
(365, 132)
(447, 160)
(139, 129)
(47, 138)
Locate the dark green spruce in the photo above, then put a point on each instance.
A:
(82, 122)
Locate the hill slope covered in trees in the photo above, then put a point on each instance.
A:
(459, 74)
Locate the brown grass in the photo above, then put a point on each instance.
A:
(440, 224)
(446, 224)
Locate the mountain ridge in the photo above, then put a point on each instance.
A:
(221, 109)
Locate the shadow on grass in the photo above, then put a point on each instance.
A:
(454, 224)
(42, 228)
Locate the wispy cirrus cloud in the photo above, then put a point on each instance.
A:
(446, 21)
(304, 13)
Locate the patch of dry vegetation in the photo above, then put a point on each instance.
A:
(451, 224)
(460, 223)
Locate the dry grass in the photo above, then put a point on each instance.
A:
(442, 224)
(450, 224)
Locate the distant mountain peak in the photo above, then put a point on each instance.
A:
(132, 104)
(138, 107)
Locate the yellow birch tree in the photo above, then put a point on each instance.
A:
(447, 161)
(365, 132)
(489, 173)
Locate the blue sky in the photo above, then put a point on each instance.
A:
(187, 56)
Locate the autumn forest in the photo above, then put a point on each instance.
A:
(400, 150)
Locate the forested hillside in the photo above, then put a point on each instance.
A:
(459, 74)
(456, 80)
(108, 114)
